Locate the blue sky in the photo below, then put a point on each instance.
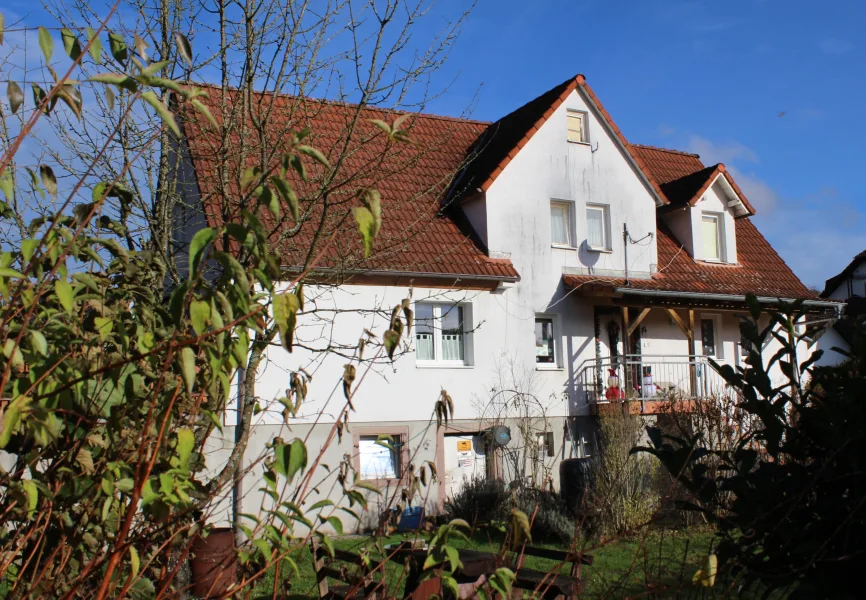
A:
(772, 88)
(710, 77)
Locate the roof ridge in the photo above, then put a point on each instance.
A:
(354, 104)
(669, 150)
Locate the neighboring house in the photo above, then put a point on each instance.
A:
(849, 286)
(544, 252)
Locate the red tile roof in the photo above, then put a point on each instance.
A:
(506, 137)
(416, 237)
(760, 270)
(683, 177)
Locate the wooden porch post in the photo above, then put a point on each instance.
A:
(693, 380)
(626, 332)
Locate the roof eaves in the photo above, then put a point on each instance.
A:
(730, 179)
(528, 136)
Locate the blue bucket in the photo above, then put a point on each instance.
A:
(412, 519)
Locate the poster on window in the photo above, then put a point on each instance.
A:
(464, 459)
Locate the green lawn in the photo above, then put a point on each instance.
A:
(659, 562)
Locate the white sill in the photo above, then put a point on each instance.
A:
(441, 365)
(579, 143)
(599, 250)
(563, 247)
(544, 367)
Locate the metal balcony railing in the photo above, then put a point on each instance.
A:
(644, 377)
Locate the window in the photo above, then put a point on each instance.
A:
(545, 342)
(544, 444)
(597, 227)
(708, 337)
(379, 457)
(560, 223)
(576, 126)
(440, 333)
(712, 237)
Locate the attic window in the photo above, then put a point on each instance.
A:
(577, 126)
(711, 230)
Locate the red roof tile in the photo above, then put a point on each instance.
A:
(416, 237)
(760, 270)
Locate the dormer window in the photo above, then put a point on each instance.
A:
(577, 126)
(711, 229)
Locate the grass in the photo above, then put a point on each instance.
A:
(656, 564)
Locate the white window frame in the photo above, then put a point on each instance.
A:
(605, 227)
(717, 334)
(584, 131)
(440, 308)
(554, 319)
(720, 236)
(569, 207)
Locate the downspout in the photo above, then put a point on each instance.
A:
(238, 477)
(625, 250)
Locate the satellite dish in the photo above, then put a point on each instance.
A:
(501, 435)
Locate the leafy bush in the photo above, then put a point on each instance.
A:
(480, 501)
(625, 496)
(798, 477)
(553, 521)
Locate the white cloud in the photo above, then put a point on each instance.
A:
(666, 130)
(836, 46)
(759, 193)
(727, 152)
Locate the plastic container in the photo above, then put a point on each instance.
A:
(412, 519)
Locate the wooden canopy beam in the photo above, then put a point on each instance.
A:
(639, 319)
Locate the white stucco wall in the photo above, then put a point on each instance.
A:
(714, 201)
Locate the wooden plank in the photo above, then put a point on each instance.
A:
(318, 567)
(639, 319)
(676, 318)
(557, 555)
(693, 376)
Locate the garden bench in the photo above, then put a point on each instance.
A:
(356, 575)
(553, 586)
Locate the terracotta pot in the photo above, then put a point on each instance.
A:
(213, 563)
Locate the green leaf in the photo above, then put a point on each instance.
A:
(38, 342)
(336, 523)
(109, 98)
(2, 28)
(203, 109)
(125, 485)
(70, 44)
(95, 45)
(199, 314)
(290, 458)
(184, 48)
(162, 110)
(39, 98)
(200, 241)
(372, 201)
(6, 184)
(32, 496)
(366, 227)
(314, 154)
(391, 339)
(119, 79)
(185, 444)
(263, 547)
(134, 561)
(104, 326)
(186, 357)
(118, 47)
(11, 417)
(142, 589)
(64, 294)
(46, 43)
(15, 96)
(7, 272)
(48, 180)
(287, 194)
(285, 309)
(366, 485)
(28, 247)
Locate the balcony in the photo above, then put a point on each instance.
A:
(647, 384)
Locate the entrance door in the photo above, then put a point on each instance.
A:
(465, 460)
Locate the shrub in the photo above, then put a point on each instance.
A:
(480, 501)
(553, 521)
(625, 497)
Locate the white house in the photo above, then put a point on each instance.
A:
(848, 286)
(548, 259)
